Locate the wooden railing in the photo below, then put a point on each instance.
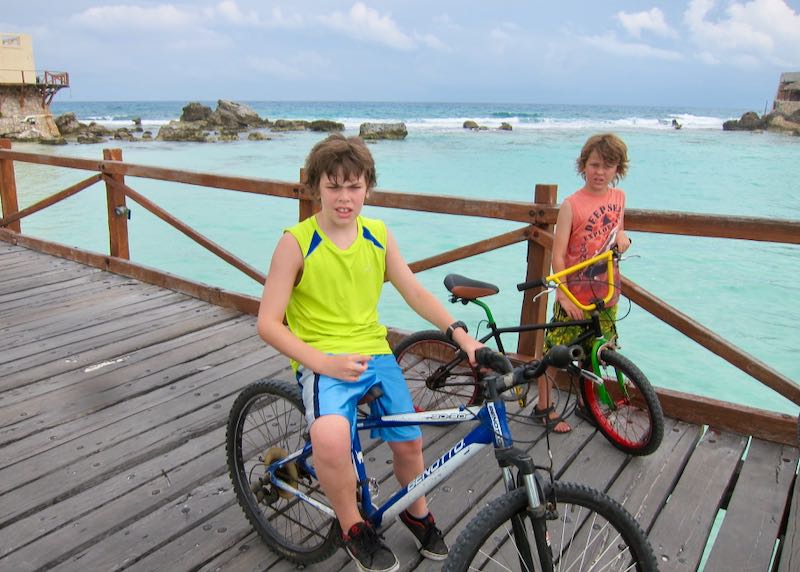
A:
(537, 218)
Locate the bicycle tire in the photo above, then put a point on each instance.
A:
(422, 357)
(589, 531)
(266, 417)
(635, 425)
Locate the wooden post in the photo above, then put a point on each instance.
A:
(308, 206)
(530, 343)
(8, 188)
(117, 211)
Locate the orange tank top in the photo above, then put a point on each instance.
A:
(596, 219)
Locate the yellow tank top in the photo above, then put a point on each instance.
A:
(334, 308)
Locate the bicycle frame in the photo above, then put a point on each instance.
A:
(555, 281)
(492, 429)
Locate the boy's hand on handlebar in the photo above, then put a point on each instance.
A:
(569, 307)
(623, 243)
(467, 343)
(348, 367)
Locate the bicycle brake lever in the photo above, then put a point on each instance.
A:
(591, 376)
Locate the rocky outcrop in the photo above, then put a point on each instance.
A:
(774, 121)
(232, 115)
(374, 131)
(257, 136)
(199, 123)
(195, 111)
(183, 131)
(505, 126)
(470, 124)
(325, 125)
(68, 124)
(289, 125)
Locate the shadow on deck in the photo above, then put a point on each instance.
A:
(114, 396)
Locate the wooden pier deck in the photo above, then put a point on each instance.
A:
(113, 400)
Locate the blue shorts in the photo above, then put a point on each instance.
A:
(323, 395)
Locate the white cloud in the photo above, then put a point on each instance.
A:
(748, 34)
(652, 21)
(129, 16)
(365, 24)
(432, 42)
(611, 44)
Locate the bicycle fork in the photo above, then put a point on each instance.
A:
(536, 512)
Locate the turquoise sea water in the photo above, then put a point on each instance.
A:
(744, 291)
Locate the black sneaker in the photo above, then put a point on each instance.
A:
(429, 538)
(367, 549)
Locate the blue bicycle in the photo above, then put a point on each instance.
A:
(538, 524)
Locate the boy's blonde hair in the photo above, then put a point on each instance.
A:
(611, 148)
(339, 155)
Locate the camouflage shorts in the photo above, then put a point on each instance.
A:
(565, 334)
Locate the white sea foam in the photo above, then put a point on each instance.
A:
(444, 124)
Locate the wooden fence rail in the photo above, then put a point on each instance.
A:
(538, 218)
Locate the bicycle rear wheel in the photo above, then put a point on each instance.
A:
(266, 422)
(633, 420)
(438, 373)
(589, 531)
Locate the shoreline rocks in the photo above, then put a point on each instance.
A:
(375, 131)
(775, 121)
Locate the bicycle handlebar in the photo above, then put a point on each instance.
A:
(540, 282)
(507, 377)
(556, 280)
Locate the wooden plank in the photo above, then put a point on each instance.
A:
(645, 483)
(65, 292)
(120, 447)
(217, 296)
(64, 412)
(747, 537)
(105, 306)
(682, 528)
(152, 370)
(167, 322)
(789, 555)
(66, 526)
(153, 355)
(145, 535)
(46, 277)
(79, 340)
(726, 416)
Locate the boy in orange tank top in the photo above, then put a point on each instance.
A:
(589, 222)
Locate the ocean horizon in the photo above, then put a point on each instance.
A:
(743, 290)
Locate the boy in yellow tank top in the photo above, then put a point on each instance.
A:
(326, 277)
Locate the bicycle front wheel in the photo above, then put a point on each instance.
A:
(266, 422)
(438, 373)
(588, 531)
(629, 415)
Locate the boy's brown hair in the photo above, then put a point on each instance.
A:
(339, 155)
(611, 148)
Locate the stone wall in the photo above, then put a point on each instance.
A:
(22, 111)
(786, 107)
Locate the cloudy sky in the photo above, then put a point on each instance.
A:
(709, 53)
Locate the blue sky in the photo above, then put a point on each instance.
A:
(706, 53)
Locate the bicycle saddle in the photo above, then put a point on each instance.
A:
(467, 288)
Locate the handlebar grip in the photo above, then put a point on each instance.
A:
(561, 356)
(487, 357)
(538, 283)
